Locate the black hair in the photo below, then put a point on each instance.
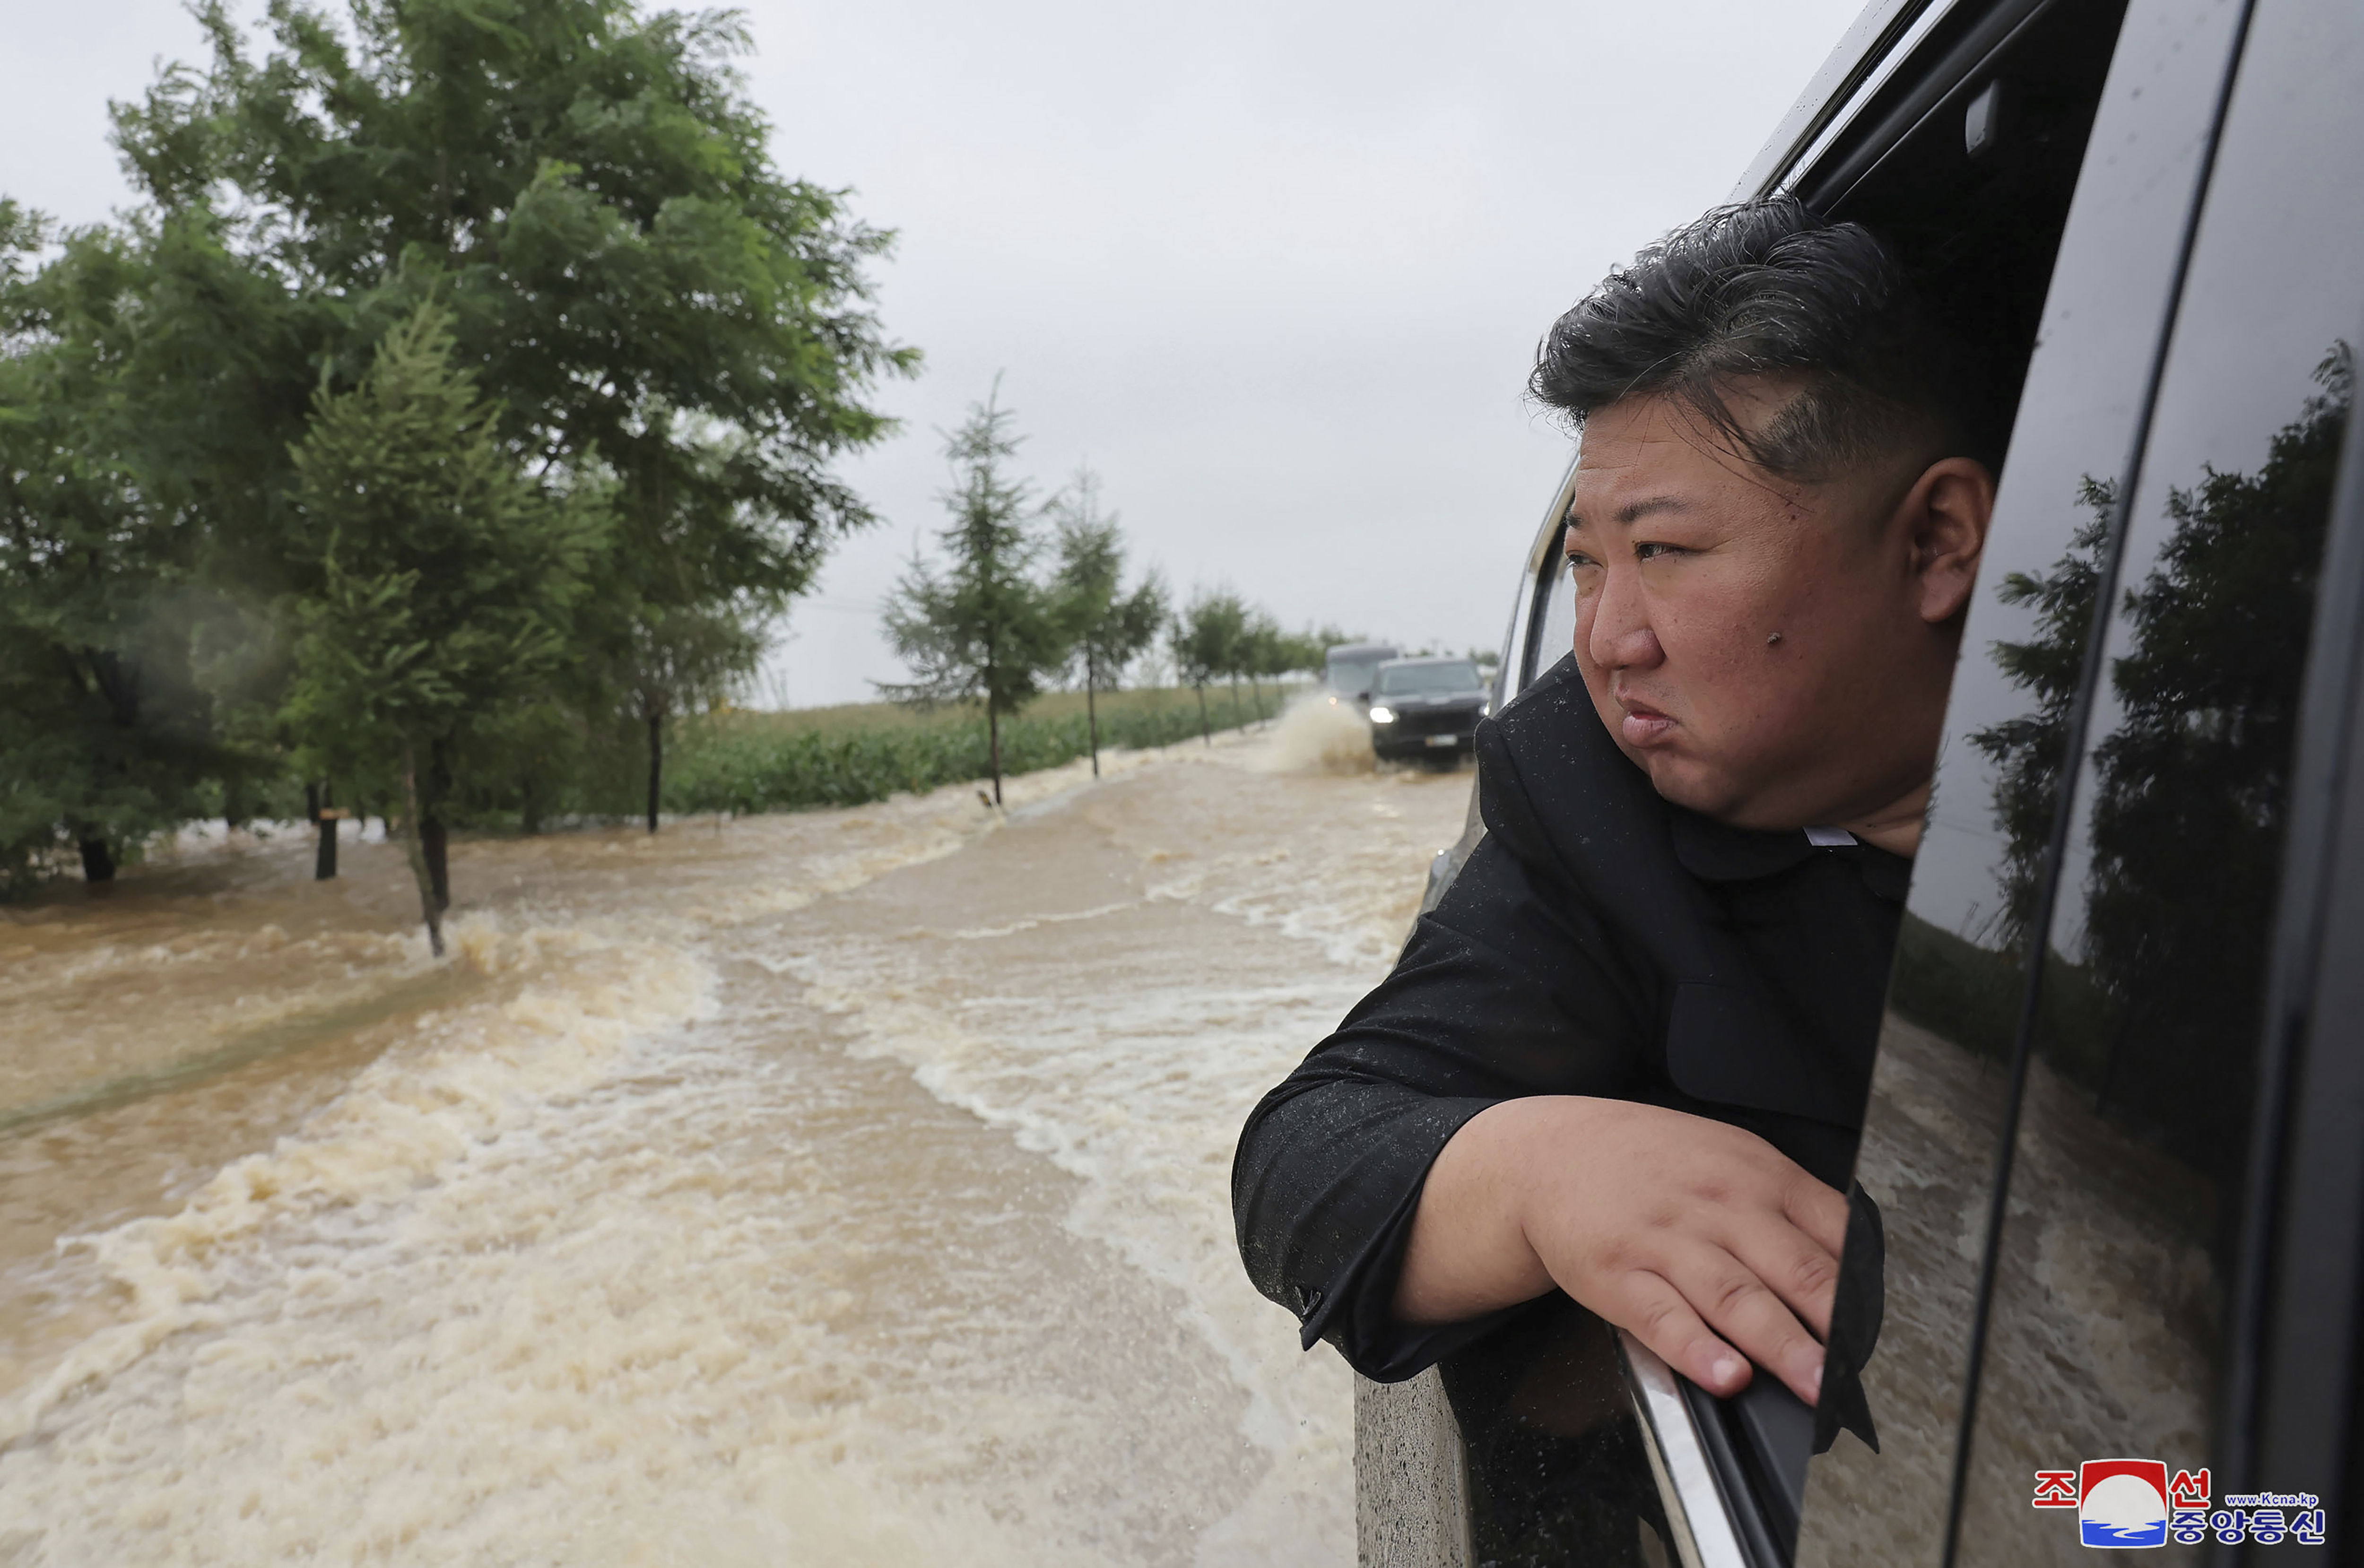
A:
(1771, 288)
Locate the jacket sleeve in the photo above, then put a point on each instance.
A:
(1507, 988)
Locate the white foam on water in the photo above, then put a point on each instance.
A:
(1138, 1081)
(1318, 734)
(618, 1260)
(572, 1345)
(413, 1112)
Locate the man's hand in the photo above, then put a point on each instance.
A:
(1700, 1238)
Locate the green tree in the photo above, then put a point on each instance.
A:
(1209, 639)
(446, 575)
(1270, 653)
(984, 629)
(130, 404)
(2029, 749)
(1107, 629)
(687, 656)
(649, 303)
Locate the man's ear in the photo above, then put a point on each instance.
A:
(1945, 518)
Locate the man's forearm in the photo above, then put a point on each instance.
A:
(1469, 1252)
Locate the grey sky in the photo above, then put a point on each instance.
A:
(1275, 270)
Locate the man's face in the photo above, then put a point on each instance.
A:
(1774, 654)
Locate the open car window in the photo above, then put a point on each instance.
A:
(2041, 169)
(1559, 1470)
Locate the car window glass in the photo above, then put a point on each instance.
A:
(1428, 680)
(2103, 1335)
(1555, 628)
(1940, 1087)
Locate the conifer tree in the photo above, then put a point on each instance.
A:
(1107, 629)
(446, 576)
(983, 629)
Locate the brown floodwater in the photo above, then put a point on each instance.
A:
(841, 1188)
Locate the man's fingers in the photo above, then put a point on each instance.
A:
(1819, 1211)
(1794, 1267)
(1738, 1304)
(1656, 1314)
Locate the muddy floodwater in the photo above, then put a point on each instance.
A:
(847, 1187)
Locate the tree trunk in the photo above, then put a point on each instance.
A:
(1257, 691)
(993, 745)
(413, 830)
(1092, 715)
(1236, 720)
(528, 808)
(1204, 734)
(436, 842)
(324, 856)
(657, 764)
(97, 863)
(437, 836)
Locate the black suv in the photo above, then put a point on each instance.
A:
(1427, 709)
(2117, 1122)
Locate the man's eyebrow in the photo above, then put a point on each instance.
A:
(1634, 511)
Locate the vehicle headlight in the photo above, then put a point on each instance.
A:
(1383, 716)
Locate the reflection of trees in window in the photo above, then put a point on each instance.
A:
(2028, 752)
(2160, 1017)
(1968, 987)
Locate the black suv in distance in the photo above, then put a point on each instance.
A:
(1427, 708)
(2116, 1126)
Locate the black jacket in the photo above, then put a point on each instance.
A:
(1599, 941)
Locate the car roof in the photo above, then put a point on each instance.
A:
(1875, 40)
(1385, 649)
(1432, 659)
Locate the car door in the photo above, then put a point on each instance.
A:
(2108, 1313)
(1942, 1108)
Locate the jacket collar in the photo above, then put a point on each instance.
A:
(1712, 851)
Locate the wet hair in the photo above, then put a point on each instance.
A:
(1771, 289)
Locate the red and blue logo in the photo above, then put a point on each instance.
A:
(2122, 1502)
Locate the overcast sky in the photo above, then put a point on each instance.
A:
(1275, 270)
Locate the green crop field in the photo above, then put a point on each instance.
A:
(739, 759)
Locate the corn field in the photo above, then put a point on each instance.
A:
(721, 765)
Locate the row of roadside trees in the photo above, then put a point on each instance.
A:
(1012, 608)
(457, 404)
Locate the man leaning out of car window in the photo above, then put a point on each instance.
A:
(1627, 1055)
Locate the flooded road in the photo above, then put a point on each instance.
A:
(846, 1187)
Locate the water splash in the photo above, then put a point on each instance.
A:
(839, 1188)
